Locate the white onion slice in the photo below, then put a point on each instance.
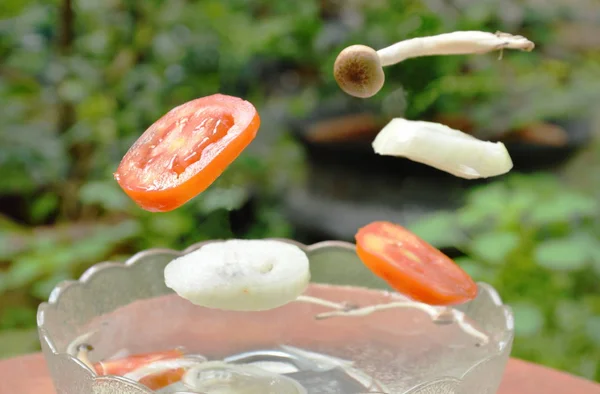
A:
(240, 275)
(444, 148)
(221, 378)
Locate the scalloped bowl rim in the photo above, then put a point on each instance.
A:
(60, 288)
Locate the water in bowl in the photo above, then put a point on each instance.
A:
(285, 350)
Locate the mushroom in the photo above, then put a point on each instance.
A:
(83, 351)
(438, 315)
(358, 69)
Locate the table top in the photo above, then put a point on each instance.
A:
(29, 375)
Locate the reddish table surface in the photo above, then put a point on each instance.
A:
(29, 375)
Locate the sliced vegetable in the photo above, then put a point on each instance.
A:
(186, 150)
(443, 148)
(159, 380)
(412, 266)
(219, 377)
(242, 275)
(123, 366)
(163, 373)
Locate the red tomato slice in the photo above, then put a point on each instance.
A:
(159, 380)
(412, 266)
(186, 150)
(125, 365)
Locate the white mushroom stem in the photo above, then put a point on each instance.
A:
(83, 356)
(436, 313)
(82, 340)
(321, 302)
(456, 43)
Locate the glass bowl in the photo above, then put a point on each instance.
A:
(122, 309)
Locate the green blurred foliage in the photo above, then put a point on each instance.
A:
(79, 84)
(80, 80)
(539, 245)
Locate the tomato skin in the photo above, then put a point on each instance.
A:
(411, 266)
(159, 380)
(125, 365)
(162, 182)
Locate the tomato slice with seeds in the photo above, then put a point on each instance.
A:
(186, 150)
(125, 365)
(411, 266)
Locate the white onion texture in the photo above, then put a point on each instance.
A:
(240, 275)
(444, 148)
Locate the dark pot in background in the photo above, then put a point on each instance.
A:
(529, 155)
(349, 185)
(344, 136)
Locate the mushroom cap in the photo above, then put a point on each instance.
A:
(358, 71)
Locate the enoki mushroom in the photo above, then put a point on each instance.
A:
(438, 314)
(358, 69)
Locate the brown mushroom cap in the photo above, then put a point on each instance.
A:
(358, 71)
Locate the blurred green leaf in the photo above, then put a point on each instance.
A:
(22, 272)
(171, 224)
(596, 261)
(10, 245)
(571, 315)
(96, 107)
(471, 216)
(271, 221)
(439, 229)
(31, 155)
(43, 207)
(17, 317)
(476, 270)
(216, 198)
(41, 290)
(73, 90)
(494, 247)
(17, 342)
(563, 207)
(529, 320)
(593, 329)
(484, 205)
(520, 202)
(106, 194)
(566, 254)
(7, 225)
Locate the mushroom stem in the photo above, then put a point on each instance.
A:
(82, 340)
(436, 313)
(82, 354)
(321, 302)
(456, 43)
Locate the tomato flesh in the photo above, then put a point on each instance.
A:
(125, 365)
(159, 380)
(186, 150)
(411, 266)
